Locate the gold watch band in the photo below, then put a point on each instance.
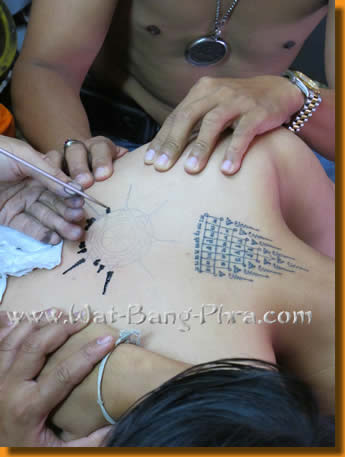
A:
(312, 95)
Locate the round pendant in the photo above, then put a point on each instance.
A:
(206, 51)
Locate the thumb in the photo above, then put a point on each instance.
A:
(95, 439)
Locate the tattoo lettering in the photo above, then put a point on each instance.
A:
(228, 248)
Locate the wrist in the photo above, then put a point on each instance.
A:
(132, 373)
(295, 96)
(312, 99)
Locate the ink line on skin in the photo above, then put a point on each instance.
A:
(89, 222)
(77, 264)
(107, 281)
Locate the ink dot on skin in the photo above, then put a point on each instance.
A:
(108, 211)
(153, 29)
(82, 245)
(82, 251)
(101, 267)
(289, 44)
(96, 262)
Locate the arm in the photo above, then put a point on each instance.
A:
(319, 133)
(130, 373)
(62, 42)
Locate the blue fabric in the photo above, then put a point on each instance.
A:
(328, 166)
(124, 143)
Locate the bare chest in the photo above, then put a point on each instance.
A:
(250, 24)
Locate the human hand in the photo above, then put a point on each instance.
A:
(25, 400)
(97, 155)
(12, 171)
(27, 206)
(250, 106)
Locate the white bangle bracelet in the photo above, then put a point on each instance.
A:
(125, 337)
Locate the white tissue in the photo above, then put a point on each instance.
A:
(20, 254)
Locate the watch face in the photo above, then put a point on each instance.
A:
(307, 81)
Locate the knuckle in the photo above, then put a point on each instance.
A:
(87, 355)
(202, 146)
(171, 146)
(63, 375)
(31, 345)
(212, 119)
(226, 92)
(23, 410)
(5, 346)
(184, 115)
(206, 82)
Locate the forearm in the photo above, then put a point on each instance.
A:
(319, 132)
(130, 373)
(47, 106)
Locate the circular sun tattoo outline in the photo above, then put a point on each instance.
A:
(117, 239)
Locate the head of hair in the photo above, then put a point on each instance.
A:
(226, 403)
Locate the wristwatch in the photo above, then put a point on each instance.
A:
(311, 91)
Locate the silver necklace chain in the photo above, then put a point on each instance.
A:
(220, 23)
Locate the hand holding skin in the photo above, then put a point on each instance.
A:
(250, 106)
(30, 203)
(12, 171)
(94, 162)
(25, 401)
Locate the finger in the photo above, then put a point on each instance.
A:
(32, 353)
(55, 222)
(15, 203)
(57, 384)
(77, 161)
(6, 325)
(213, 124)
(60, 207)
(185, 118)
(96, 439)
(158, 140)
(75, 202)
(242, 137)
(103, 152)
(10, 345)
(45, 163)
(30, 226)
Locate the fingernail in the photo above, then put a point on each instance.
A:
(83, 178)
(105, 340)
(76, 232)
(163, 161)
(101, 172)
(227, 166)
(192, 163)
(149, 155)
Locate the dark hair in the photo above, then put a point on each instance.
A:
(226, 403)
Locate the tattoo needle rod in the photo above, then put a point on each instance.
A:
(67, 187)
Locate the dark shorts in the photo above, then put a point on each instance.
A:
(115, 115)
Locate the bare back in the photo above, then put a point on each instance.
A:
(173, 243)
